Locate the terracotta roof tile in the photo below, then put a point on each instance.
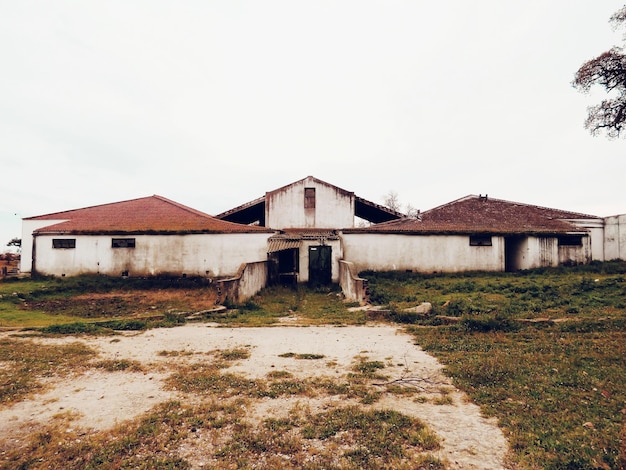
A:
(154, 214)
(478, 214)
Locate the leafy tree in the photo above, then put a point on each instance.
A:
(608, 70)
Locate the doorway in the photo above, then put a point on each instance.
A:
(284, 266)
(320, 266)
(513, 253)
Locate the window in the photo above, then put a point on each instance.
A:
(63, 243)
(571, 240)
(309, 198)
(123, 243)
(480, 240)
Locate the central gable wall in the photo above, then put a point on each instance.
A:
(284, 207)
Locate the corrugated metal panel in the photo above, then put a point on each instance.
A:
(280, 244)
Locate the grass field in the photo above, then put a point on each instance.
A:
(544, 351)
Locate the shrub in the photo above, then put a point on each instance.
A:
(486, 323)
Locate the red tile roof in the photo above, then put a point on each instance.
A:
(480, 214)
(154, 214)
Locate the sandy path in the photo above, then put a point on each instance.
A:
(101, 399)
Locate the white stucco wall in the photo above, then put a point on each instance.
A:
(536, 252)
(422, 253)
(615, 237)
(596, 235)
(213, 255)
(284, 208)
(28, 227)
(576, 254)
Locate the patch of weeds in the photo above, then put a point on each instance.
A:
(376, 438)
(368, 369)
(78, 328)
(234, 354)
(302, 356)
(281, 424)
(121, 447)
(125, 325)
(114, 365)
(354, 387)
(313, 306)
(443, 400)
(250, 306)
(174, 353)
(25, 363)
(486, 323)
(284, 387)
(279, 374)
(248, 445)
(207, 379)
(370, 397)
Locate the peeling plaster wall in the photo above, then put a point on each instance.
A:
(536, 252)
(28, 227)
(576, 254)
(422, 253)
(284, 208)
(212, 255)
(615, 237)
(596, 233)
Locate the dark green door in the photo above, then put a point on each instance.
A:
(320, 268)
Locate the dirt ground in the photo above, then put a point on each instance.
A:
(98, 399)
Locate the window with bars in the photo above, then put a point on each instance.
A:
(63, 243)
(123, 243)
(480, 240)
(570, 240)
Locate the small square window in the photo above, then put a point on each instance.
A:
(571, 240)
(64, 243)
(480, 240)
(123, 243)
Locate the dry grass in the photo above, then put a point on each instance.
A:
(217, 426)
(25, 365)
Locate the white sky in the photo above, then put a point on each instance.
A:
(212, 103)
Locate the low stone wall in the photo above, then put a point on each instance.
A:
(250, 279)
(354, 288)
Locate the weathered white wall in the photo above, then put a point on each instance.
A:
(596, 234)
(576, 254)
(354, 288)
(536, 252)
(284, 208)
(422, 253)
(250, 279)
(28, 227)
(615, 237)
(212, 255)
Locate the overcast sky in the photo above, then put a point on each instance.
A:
(213, 103)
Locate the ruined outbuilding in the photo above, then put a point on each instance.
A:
(307, 232)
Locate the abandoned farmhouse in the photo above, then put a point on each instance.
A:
(306, 232)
